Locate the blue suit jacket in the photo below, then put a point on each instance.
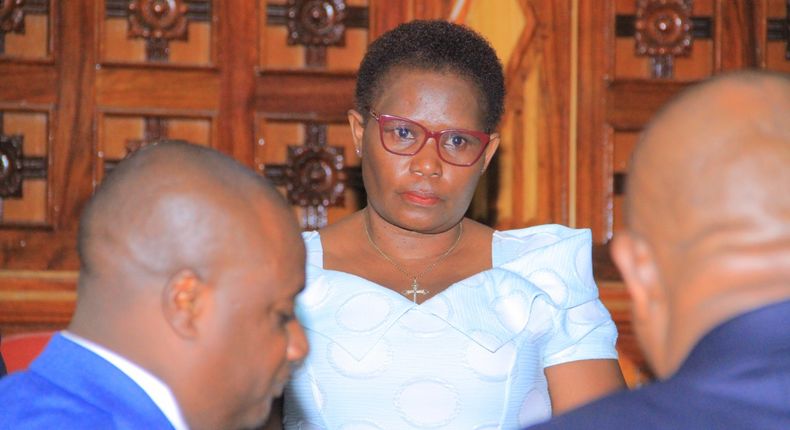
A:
(70, 387)
(736, 378)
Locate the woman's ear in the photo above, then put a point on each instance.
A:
(357, 123)
(493, 144)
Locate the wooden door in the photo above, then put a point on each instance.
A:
(85, 82)
(633, 56)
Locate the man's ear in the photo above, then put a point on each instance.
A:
(357, 123)
(184, 301)
(637, 264)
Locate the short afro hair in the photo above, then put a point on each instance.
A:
(435, 45)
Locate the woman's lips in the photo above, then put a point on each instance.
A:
(421, 198)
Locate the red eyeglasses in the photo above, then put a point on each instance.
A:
(402, 136)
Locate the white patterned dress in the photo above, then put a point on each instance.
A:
(471, 357)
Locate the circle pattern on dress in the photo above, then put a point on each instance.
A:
(373, 364)
(317, 295)
(427, 402)
(422, 324)
(550, 282)
(440, 306)
(363, 313)
(487, 365)
(512, 310)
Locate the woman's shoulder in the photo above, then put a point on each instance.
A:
(335, 242)
(512, 244)
(545, 230)
(555, 258)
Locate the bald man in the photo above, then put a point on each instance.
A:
(706, 259)
(185, 301)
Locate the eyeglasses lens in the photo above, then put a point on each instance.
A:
(406, 138)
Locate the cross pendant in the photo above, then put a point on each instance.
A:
(414, 290)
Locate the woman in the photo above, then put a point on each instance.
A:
(418, 317)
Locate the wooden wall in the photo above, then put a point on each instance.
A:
(85, 82)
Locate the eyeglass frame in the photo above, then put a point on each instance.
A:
(436, 135)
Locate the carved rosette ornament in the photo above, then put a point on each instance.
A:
(158, 19)
(663, 27)
(315, 175)
(12, 17)
(316, 22)
(11, 166)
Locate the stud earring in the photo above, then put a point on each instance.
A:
(359, 152)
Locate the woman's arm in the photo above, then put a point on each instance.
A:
(575, 383)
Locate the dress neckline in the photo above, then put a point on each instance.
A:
(388, 291)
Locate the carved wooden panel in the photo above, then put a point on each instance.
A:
(176, 31)
(24, 163)
(619, 94)
(309, 50)
(121, 133)
(84, 82)
(25, 28)
(664, 38)
(313, 34)
(315, 166)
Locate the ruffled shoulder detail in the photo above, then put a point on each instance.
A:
(493, 307)
(556, 259)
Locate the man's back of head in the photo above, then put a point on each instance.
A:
(708, 212)
(706, 259)
(190, 266)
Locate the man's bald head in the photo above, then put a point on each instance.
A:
(708, 212)
(711, 171)
(190, 267)
(164, 208)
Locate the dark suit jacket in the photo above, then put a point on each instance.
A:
(70, 387)
(737, 377)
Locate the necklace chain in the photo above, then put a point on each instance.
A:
(414, 291)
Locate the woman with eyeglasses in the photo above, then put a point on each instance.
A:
(418, 317)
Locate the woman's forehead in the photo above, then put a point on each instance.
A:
(430, 95)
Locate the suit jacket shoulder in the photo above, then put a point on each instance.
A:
(70, 387)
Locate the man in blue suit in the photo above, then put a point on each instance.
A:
(706, 259)
(184, 317)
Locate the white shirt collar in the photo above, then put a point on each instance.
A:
(159, 393)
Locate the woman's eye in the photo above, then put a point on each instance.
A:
(456, 141)
(403, 133)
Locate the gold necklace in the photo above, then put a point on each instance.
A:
(415, 287)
